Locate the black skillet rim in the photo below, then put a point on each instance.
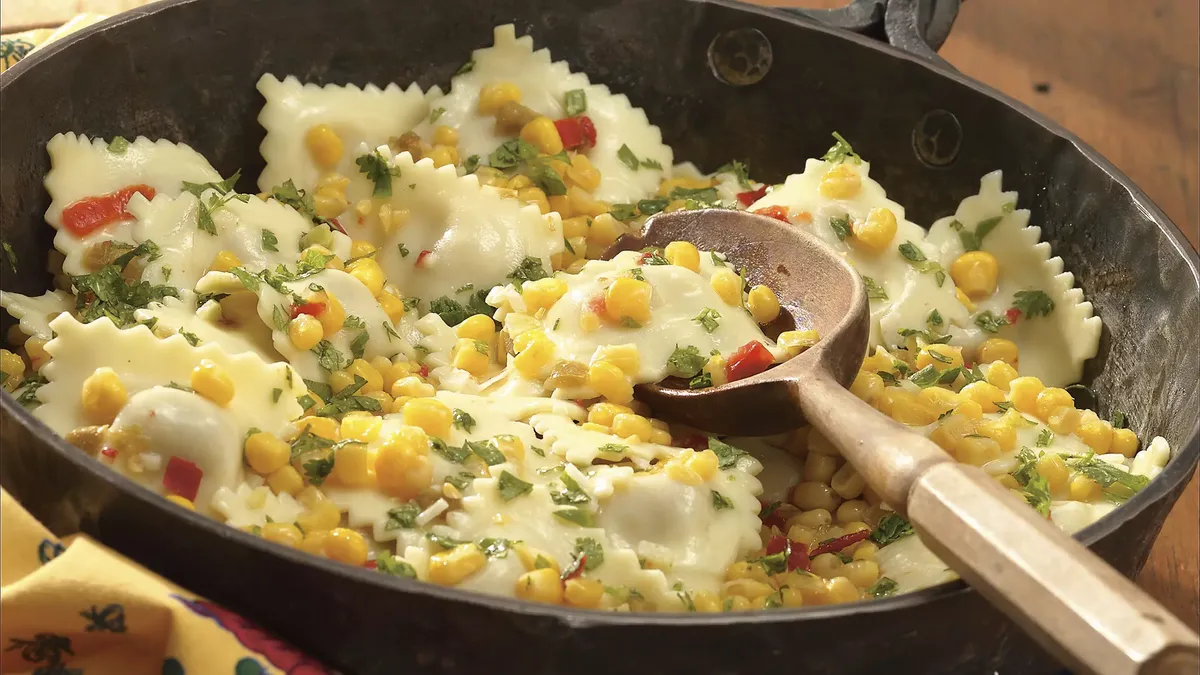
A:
(1178, 470)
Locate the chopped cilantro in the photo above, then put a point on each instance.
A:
(586, 546)
(530, 269)
(436, 114)
(463, 420)
(919, 262)
(511, 153)
(1118, 484)
(328, 357)
(891, 527)
(720, 501)
(377, 170)
(454, 312)
(545, 177)
(882, 588)
(726, 454)
(874, 290)
(347, 400)
(9, 254)
(624, 212)
(628, 158)
(990, 322)
(317, 470)
(471, 165)
(570, 494)
(614, 448)
(1045, 438)
(717, 260)
(107, 293)
(298, 199)
(269, 241)
(708, 318)
(934, 321)
(495, 547)
(489, 453)
(464, 68)
(685, 362)
(925, 377)
(701, 381)
(578, 515)
(841, 227)
(275, 394)
(512, 487)
(394, 566)
(740, 170)
(649, 207)
(192, 338)
(28, 388)
(443, 540)
(403, 516)
(449, 452)
(118, 145)
(840, 151)
(1033, 303)
(403, 250)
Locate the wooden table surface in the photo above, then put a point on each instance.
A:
(1125, 77)
(1122, 75)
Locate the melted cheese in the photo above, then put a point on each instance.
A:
(81, 167)
(249, 505)
(1053, 348)
(181, 315)
(912, 295)
(470, 236)
(543, 83)
(187, 251)
(367, 115)
(35, 314)
(679, 295)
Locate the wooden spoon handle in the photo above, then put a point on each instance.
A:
(1071, 601)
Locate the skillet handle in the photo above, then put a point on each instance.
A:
(1064, 596)
(918, 27)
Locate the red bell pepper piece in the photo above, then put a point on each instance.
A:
(576, 132)
(309, 308)
(1012, 314)
(798, 557)
(182, 478)
(750, 359)
(578, 569)
(421, 257)
(776, 544)
(597, 305)
(749, 197)
(424, 371)
(89, 214)
(776, 212)
(840, 543)
(336, 225)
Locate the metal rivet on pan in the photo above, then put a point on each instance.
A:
(740, 57)
(937, 138)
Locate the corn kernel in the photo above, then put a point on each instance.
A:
(1124, 442)
(625, 357)
(1023, 392)
(763, 304)
(939, 399)
(942, 357)
(542, 294)
(540, 585)
(362, 368)
(13, 367)
(212, 382)
(412, 387)
(715, 368)
(605, 230)
(999, 349)
(369, 274)
(492, 97)
(224, 261)
(1054, 470)
(905, 408)
(181, 501)
(443, 155)
(728, 286)
(1098, 435)
(683, 254)
(962, 298)
(840, 182)
(1084, 489)
(534, 195)
(867, 386)
(346, 546)
(875, 234)
(976, 451)
(285, 480)
(627, 300)
(798, 341)
(324, 427)
(265, 453)
(324, 146)
(334, 314)
(429, 414)
(392, 305)
(1064, 420)
(534, 353)
(582, 173)
(627, 425)
(986, 395)
(1050, 399)
(476, 327)
(1004, 435)
(610, 382)
(585, 593)
(286, 534)
(975, 272)
(542, 134)
(305, 332)
(361, 427)
(103, 396)
(604, 413)
(472, 356)
(402, 465)
(449, 568)
(1001, 374)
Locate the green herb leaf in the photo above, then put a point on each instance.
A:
(925, 377)
(624, 212)
(107, 293)
(628, 158)
(586, 546)
(984, 227)
(1118, 484)
(1033, 303)
(464, 68)
(874, 290)
(578, 515)
(328, 357)
(575, 102)
(511, 153)
(495, 547)
(403, 516)
(702, 381)
(685, 362)
(377, 170)
(317, 470)
(882, 588)
(28, 390)
(471, 165)
(840, 151)
(298, 199)
(727, 455)
(892, 527)
(740, 170)
(436, 114)
(545, 177)
(530, 269)
(570, 494)
(394, 566)
(992, 323)
(118, 145)
(512, 487)
(649, 207)
(489, 453)
(444, 541)
(934, 321)
(841, 227)
(192, 338)
(463, 420)
(615, 448)
(720, 502)
(9, 254)
(708, 318)
(1037, 494)
(1045, 438)
(269, 241)
(462, 481)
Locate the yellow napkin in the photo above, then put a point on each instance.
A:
(73, 607)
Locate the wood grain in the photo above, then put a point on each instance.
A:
(1125, 77)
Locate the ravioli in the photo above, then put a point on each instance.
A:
(82, 167)
(35, 314)
(543, 84)
(1054, 347)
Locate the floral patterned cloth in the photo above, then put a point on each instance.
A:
(73, 607)
(16, 46)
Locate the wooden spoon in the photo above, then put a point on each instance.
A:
(1075, 605)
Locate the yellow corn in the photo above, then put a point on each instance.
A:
(999, 349)
(629, 425)
(1084, 489)
(285, 480)
(324, 427)
(1064, 420)
(429, 414)
(305, 332)
(542, 294)
(604, 413)
(975, 272)
(361, 247)
(476, 327)
(360, 427)
(534, 353)
(715, 368)
(625, 357)
(402, 465)
(540, 585)
(586, 593)
(369, 273)
(1124, 441)
(683, 254)
(840, 182)
(324, 146)
(347, 546)
(286, 534)
(224, 261)
(412, 386)
(604, 231)
(265, 453)
(13, 367)
(1098, 435)
(212, 382)
(1054, 470)
(444, 135)
(334, 314)
(492, 97)
(875, 234)
(472, 356)
(1001, 374)
(986, 395)
(1050, 399)
(763, 304)
(450, 568)
(628, 300)
(181, 501)
(867, 386)
(610, 382)
(443, 155)
(797, 341)
(362, 368)
(542, 134)
(103, 396)
(728, 286)
(941, 357)
(1003, 434)
(1023, 392)
(392, 305)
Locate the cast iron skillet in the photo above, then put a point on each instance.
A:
(185, 70)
